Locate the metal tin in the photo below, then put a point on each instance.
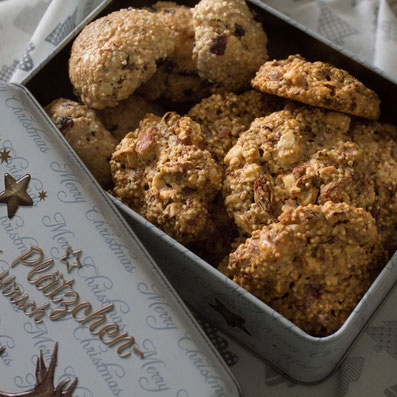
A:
(72, 231)
(238, 313)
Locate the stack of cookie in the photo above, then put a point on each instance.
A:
(277, 167)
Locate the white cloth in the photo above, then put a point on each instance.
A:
(368, 28)
(31, 29)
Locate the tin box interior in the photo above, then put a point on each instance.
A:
(235, 311)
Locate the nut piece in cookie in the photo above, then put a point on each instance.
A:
(116, 54)
(223, 117)
(86, 134)
(299, 154)
(230, 45)
(312, 266)
(379, 143)
(163, 171)
(125, 117)
(318, 84)
(177, 78)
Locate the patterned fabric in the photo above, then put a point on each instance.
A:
(7, 71)
(332, 27)
(351, 370)
(26, 61)
(31, 29)
(386, 337)
(62, 29)
(368, 28)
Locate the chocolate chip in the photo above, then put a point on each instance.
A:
(239, 31)
(93, 133)
(65, 122)
(218, 46)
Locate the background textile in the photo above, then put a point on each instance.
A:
(31, 29)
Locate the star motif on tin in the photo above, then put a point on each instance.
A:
(15, 193)
(232, 319)
(42, 195)
(71, 253)
(4, 156)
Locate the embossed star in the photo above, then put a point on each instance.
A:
(15, 193)
(4, 156)
(42, 195)
(70, 252)
(232, 319)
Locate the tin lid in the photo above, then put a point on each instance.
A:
(73, 272)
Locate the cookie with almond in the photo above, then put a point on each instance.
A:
(164, 172)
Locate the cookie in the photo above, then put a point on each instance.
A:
(317, 84)
(312, 265)
(177, 79)
(81, 127)
(163, 172)
(125, 117)
(230, 45)
(299, 154)
(379, 143)
(223, 117)
(116, 54)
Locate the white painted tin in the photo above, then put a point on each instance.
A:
(71, 210)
